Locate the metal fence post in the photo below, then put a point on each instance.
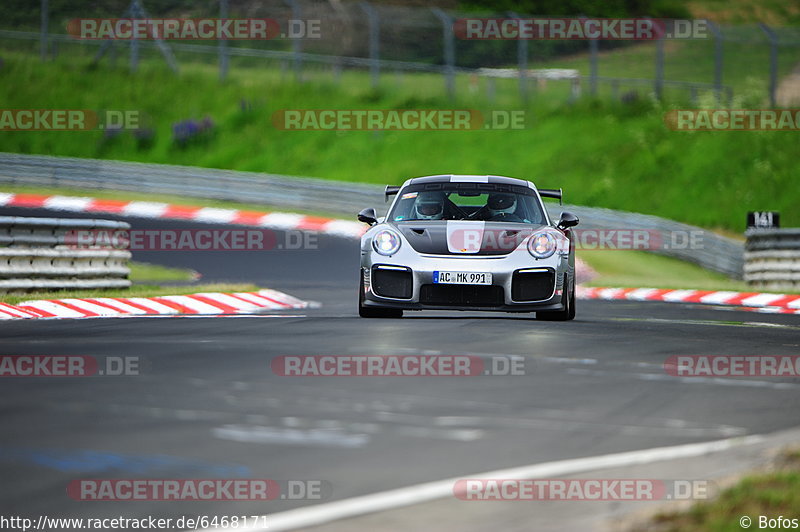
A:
(297, 44)
(449, 50)
(773, 62)
(45, 22)
(133, 12)
(136, 10)
(337, 71)
(223, 43)
(374, 42)
(165, 50)
(659, 81)
(575, 89)
(718, 58)
(592, 65)
(522, 62)
(134, 52)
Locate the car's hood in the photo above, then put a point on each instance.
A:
(465, 237)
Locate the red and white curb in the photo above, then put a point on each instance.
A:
(201, 304)
(148, 209)
(761, 302)
(755, 301)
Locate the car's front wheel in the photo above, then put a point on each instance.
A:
(371, 312)
(568, 300)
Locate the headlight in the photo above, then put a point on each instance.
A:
(542, 245)
(386, 242)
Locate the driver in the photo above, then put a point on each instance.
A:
(430, 206)
(501, 204)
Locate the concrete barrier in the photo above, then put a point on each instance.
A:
(34, 256)
(772, 259)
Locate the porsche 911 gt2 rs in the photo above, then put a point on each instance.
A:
(467, 242)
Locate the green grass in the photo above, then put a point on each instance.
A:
(137, 290)
(144, 277)
(142, 272)
(745, 65)
(771, 494)
(639, 269)
(603, 154)
(773, 12)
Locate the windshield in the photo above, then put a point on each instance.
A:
(490, 202)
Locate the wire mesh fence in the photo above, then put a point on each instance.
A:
(740, 65)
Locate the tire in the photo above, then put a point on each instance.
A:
(568, 300)
(571, 314)
(370, 312)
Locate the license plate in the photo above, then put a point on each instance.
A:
(462, 278)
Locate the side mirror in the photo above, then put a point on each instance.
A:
(567, 220)
(368, 216)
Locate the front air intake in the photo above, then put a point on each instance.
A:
(532, 285)
(395, 283)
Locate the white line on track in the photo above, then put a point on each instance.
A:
(387, 500)
(720, 381)
(684, 321)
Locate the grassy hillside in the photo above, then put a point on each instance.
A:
(604, 154)
(777, 12)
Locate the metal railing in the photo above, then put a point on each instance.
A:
(666, 237)
(709, 250)
(772, 258)
(244, 187)
(35, 254)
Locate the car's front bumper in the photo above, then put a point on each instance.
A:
(423, 294)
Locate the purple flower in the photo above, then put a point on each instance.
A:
(190, 130)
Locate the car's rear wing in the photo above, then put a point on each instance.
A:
(391, 190)
(550, 193)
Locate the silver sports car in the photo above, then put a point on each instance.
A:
(467, 242)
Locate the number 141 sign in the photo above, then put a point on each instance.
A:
(763, 219)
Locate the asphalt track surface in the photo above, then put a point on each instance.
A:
(207, 405)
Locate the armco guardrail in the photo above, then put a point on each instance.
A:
(35, 254)
(708, 249)
(666, 237)
(772, 258)
(247, 187)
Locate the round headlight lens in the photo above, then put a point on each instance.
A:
(542, 245)
(386, 242)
